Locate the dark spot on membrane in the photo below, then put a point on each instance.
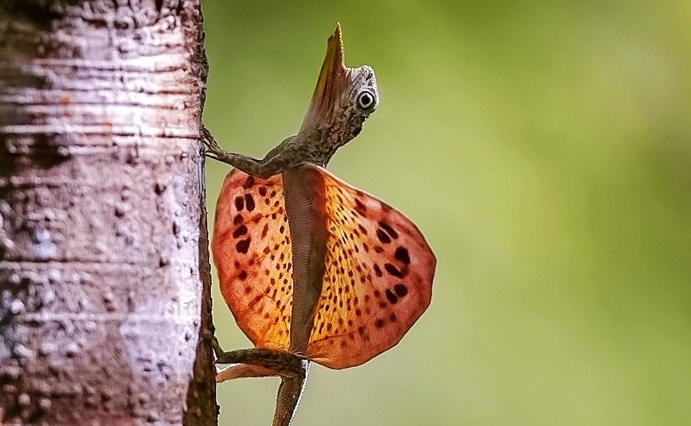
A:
(377, 270)
(358, 312)
(382, 304)
(242, 275)
(265, 230)
(378, 249)
(359, 207)
(389, 230)
(362, 228)
(254, 301)
(392, 317)
(361, 330)
(237, 219)
(383, 236)
(239, 203)
(266, 250)
(248, 183)
(402, 255)
(262, 191)
(400, 290)
(248, 289)
(249, 201)
(243, 246)
(392, 270)
(241, 230)
(390, 296)
(379, 323)
(343, 343)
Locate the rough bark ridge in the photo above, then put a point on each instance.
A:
(104, 274)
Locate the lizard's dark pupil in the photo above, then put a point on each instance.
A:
(365, 100)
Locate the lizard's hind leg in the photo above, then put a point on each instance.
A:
(260, 362)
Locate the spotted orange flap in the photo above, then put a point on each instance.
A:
(377, 282)
(378, 279)
(252, 252)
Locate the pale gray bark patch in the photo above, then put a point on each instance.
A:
(104, 272)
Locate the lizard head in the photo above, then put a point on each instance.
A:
(342, 100)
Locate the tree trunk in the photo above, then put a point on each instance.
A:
(104, 272)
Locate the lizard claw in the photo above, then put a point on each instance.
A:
(210, 147)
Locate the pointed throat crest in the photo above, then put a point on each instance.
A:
(342, 100)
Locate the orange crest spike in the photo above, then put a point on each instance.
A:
(378, 269)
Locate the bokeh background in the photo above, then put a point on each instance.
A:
(544, 148)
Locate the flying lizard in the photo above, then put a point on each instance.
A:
(313, 269)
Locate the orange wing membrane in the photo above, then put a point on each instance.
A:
(377, 281)
(251, 249)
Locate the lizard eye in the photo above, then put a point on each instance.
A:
(365, 100)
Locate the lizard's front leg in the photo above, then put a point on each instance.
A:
(269, 166)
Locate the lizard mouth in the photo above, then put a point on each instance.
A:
(330, 84)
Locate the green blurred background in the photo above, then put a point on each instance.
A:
(544, 148)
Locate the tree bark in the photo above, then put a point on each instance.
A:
(104, 272)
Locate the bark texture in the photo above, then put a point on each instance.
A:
(104, 273)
